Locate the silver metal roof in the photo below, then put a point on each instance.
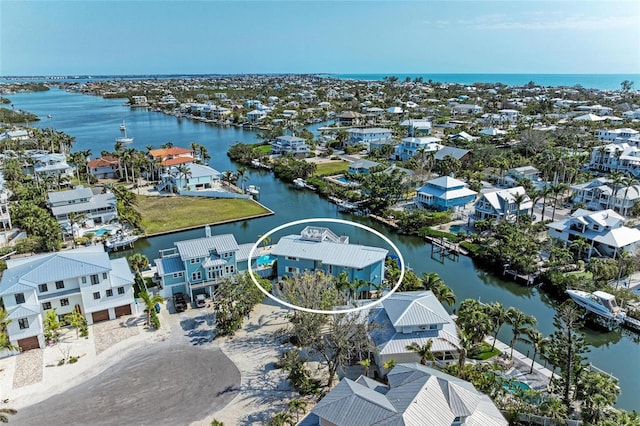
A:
(330, 253)
(415, 308)
(202, 247)
(72, 194)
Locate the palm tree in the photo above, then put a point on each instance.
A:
(617, 180)
(628, 182)
(280, 419)
(366, 363)
(557, 190)
(431, 280)
(185, 172)
(545, 192)
(424, 351)
(149, 303)
(518, 199)
(241, 172)
(498, 315)
(519, 322)
(537, 340)
(297, 406)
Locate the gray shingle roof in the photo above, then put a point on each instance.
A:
(202, 247)
(330, 253)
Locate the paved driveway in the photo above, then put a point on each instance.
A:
(169, 383)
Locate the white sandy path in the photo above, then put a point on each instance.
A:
(254, 349)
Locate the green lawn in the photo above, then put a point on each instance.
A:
(265, 148)
(165, 214)
(483, 352)
(331, 168)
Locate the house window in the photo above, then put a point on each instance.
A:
(46, 305)
(178, 275)
(228, 269)
(196, 260)
(96, 295)
(42, 288)
(62, 319)
(94, 280)
(292, 270)
(330, 269)
(596, 227)
(433, 326)
(104, 275)
(23, 323)
(109, 292)
(84, 280)
(60, 284)
(196, 276)
(292, 258)
(19, 298)
(64, 302)
(120, 290)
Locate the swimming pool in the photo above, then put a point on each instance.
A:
(454, 229)
(515, 386)
(265, 260)
(99, 232)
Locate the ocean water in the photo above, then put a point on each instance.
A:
(591, 81)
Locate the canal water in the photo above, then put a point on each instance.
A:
(94, 122)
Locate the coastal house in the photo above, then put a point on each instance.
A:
(52, 165)
(417, 127)
(463, 137)
(194, 177)
(501, 205)
(369, 136)
(616, 156)
(414, 316)
(5, 214)
(509, 115)
(604, 231)
(407, 148)
(444, 193)
(90, 207)
(15, 134)
(465, 109)
(256, 115)
(630, 136)
(319, 249)
(415, 395)
(105, 167)
(601, 194)
(362, 166)
(289, 144)
(513, 176)
(595, 109)
(165, 158)
(349, 118)
(198, 266)
(85, 279)
(460, 154)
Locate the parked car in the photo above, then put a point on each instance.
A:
(200, 301)
(179, 302)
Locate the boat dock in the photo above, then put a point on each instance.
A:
(388, 222)
(529, 279)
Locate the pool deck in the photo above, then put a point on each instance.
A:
(538, 379)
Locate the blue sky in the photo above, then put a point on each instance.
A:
(162, 37)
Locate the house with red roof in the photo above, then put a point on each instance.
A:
(105, 167)
(166, 158)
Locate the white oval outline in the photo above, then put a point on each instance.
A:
(319, 311)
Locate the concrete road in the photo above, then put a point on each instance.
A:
(165, 384)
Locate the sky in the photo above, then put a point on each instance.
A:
(87, 37)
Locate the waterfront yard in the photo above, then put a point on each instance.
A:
(331, 168)
(167, 214)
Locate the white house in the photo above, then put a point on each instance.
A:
(289, 144)
(93, 208)
(51, 165)
(616, 156)
(466, 109)
(604, 231)
(601, 194)
(501, 205)
(368, 136)
(417, 127)
(82, 279)
(256, 115)
(408, 146)
(619, 135)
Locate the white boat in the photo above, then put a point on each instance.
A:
(299, 183)
(125, 140)
(600, 303)
(121, 240)
(123, 126)
(252, 190)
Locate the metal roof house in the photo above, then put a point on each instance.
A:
(416, 396)
(501, 205)
(83, 279)
(199, 265)
(413, 316)
(445, 193)
(319, 249)
(98, 208)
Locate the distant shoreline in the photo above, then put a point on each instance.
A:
(591, 81)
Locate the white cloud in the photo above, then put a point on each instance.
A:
(553, 22)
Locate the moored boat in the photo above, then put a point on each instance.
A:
(598, 302)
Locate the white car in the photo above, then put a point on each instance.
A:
(200, 301)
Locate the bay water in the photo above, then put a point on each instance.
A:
(94, 122)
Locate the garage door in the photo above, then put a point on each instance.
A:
(178, 289)
(123, 310)
(100, 316)
(29, 343)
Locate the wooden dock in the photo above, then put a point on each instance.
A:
(387, 222)
(443, 248)
(529, 279)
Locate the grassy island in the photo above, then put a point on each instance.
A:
(170, 214)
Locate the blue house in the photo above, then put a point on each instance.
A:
(445, 193)
(319, 249)
(368, 136)
(198, 266)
